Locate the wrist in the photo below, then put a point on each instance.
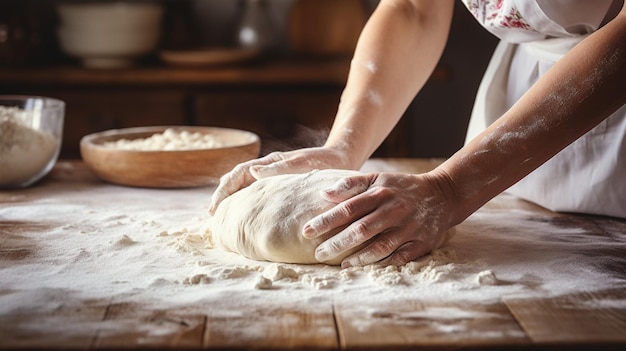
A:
(459, 206)
(346, 154)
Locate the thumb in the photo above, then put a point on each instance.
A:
(344, 189)
(270, 170)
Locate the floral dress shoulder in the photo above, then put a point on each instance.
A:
(527, 20)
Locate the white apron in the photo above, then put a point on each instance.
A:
(588, 176)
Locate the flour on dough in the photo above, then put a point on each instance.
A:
(264, 221)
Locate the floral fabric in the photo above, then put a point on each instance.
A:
(498, 13)
(519, 21)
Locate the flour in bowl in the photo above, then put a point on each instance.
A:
(24, 151)
(169, 140)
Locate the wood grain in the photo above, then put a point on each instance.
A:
(68, 324)
(261, 327)
(129, 325)
(427, 325)
(13, 245)
(586, 317)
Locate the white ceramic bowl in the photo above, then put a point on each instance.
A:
(109, 14)
(109, 34)
(31, 131)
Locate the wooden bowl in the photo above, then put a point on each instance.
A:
(167, 168)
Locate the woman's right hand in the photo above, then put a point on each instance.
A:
(296, 161)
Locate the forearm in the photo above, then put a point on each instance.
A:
(582, 89)
(396, 53)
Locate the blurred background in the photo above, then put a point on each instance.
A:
(274, 67)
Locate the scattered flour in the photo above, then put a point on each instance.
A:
(24, 151)
(123, 242)
(138, 245)
(262, 283)
(278, 271)
(168, 140)
(486, 277)
(197, 279)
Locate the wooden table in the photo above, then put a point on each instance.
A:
(590, 318)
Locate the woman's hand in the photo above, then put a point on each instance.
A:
(297, 161)
(400, 216)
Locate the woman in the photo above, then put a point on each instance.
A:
(556, 85)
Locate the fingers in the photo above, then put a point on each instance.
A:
(395, 248)
(383, 256)
(346, 188)
(384, 224)
(282, 165)
(239, 177)
(229, 183)
(273, 169)
(382, 247)
(275, 163)
(270, 165)
(352, 237)
(344, 213)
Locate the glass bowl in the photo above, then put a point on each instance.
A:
(31, 131)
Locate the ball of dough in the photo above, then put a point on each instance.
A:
(264, 221)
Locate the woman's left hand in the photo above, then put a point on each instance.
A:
(401, 216)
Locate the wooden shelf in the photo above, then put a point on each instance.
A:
(273, 98)
(330, 72)
(276, 72)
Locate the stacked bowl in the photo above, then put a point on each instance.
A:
(104, 34)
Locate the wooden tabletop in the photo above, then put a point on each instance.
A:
(46, 312)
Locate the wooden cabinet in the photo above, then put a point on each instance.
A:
(101, 109)
(290, 104)
(284, 118)
(289, 98)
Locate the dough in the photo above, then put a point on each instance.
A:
(264, 221)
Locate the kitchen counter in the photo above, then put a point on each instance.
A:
(90, 265)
